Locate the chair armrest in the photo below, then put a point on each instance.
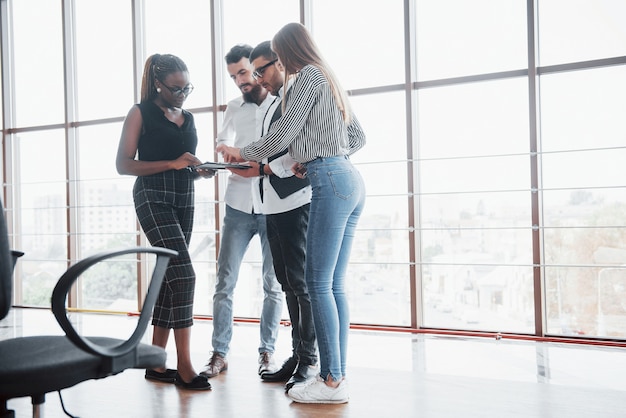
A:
(15, 255)
(63, 286)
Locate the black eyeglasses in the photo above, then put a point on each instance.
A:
(258, 73)
(179, 92)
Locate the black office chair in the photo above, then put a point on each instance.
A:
(36, 365)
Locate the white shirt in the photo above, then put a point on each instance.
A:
(281, 167)
(240, 128)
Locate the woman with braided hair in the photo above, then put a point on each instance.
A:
(157, 145)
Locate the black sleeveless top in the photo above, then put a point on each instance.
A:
(162, 139)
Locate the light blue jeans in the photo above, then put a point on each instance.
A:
(237, 231)
(336, 205)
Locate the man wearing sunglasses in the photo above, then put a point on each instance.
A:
(285, 201)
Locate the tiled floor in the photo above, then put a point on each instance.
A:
(390, 374)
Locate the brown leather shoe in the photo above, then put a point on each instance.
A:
(215, 366)
(266, 363)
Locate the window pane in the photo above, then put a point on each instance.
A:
(599, 207)
(384, 127)
(476, 250)
(611, 310)
(37, 152)
(487, 118)
(572, 300)
(111, 284)
(474, 184)
(204, 236)
(382, 231)
(261, 24)
(38, 280)
(459, 37)
(585, 230)
(581, 169)
(41, 212)
(385, 178)
(104, 63)
(580, 30)
(379, 293)
(97, 151)
(583, 109)
(499, 209)
(184, 31)
(38, 92)
(584, 200)
(478, 296)
(106, 215)
(475, 174)
(205, 150)
(378, 274)
(362, 41)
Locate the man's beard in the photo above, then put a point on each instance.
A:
(253, 95)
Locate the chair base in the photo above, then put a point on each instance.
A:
(4, 412)
(36, 401)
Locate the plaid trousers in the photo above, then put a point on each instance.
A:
(164, 203)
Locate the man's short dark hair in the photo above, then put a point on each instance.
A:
(264, 49)
(238, 52)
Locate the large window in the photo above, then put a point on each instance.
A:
(584, 195)
(496, 198)
(474, 186)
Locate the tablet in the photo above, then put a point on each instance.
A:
(219, 166)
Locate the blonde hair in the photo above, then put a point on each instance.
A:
(296, 48)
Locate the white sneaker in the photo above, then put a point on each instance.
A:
(316, 391)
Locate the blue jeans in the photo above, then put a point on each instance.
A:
(336, 205)
(238, 229)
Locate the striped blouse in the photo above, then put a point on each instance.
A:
(312, 125)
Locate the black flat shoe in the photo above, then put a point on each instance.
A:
(168, 376)
(198, 383)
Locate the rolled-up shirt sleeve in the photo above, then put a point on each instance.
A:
(356, 136)
(281, 166)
